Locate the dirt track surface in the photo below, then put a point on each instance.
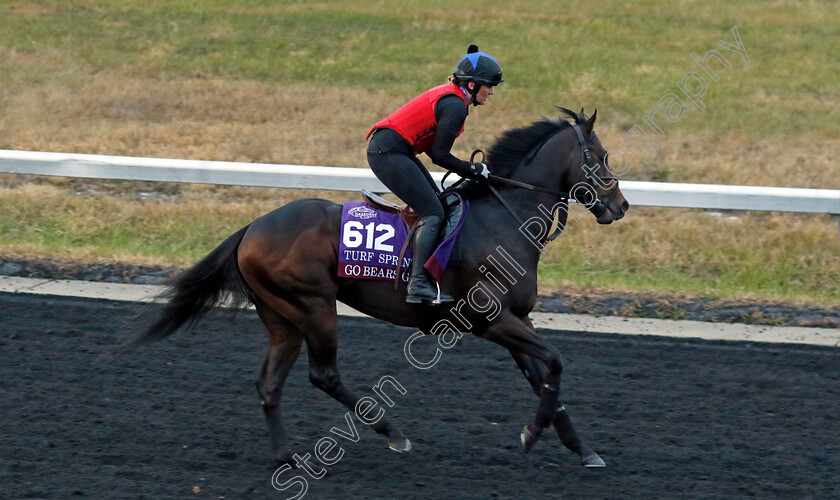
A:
(181, 419)
(610, 304)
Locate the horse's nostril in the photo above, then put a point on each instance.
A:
(625, 206)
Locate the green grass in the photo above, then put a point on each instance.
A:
(793, 259)
(41, 217)
(752, 279)
(752, 256)
(615, 55)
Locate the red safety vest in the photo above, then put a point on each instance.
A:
(416, 121)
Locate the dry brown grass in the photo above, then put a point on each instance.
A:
(258, 122)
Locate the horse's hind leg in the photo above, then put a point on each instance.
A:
(321, 341)
(535, 371)
(283, 350)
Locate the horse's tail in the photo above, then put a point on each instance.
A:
(213, 281)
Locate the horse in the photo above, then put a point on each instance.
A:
(285, 264)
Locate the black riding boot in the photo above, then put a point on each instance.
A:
(425, 239)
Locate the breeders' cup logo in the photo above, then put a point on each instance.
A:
(362, 212)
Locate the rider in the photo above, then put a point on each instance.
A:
(429, 124)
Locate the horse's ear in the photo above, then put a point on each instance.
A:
(589, 124)
(570, 113)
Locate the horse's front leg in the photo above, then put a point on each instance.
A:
(518, 337)
(534, 371)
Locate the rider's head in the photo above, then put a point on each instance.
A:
(479, 68)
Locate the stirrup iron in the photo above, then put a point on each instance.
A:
(437, 301)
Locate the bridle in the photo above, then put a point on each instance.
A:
(598, 208)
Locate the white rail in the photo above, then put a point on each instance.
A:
(655, 194)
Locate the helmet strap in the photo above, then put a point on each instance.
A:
(474, 92)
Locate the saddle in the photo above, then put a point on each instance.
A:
(453, 206)
(406, 213)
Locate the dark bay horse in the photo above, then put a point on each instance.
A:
(285, 263)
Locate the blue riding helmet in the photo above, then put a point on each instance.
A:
(479, 67)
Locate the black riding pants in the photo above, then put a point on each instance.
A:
(393, 163)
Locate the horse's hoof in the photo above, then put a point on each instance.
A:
(400, 445)
(283, 456)
(528, 438)
(593, 461)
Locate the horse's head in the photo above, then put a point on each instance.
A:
(593, 184)
(565, 160)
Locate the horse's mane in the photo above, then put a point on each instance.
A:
(514, 145)
(509, 149)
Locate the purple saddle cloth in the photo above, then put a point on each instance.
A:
(371, 240)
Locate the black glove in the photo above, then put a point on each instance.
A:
(479, 171)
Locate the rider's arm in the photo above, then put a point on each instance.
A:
(450, 113)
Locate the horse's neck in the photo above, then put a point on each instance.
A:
(544, 170)
(523, 202)
(490, 217)
(533, 208)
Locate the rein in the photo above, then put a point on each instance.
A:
(563, 196)
(597, 208)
